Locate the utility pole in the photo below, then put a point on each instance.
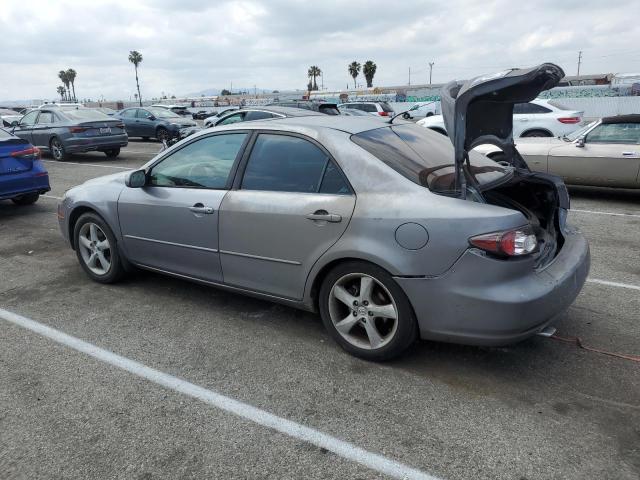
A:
(409, 75)
(431, 64)
(579, 62)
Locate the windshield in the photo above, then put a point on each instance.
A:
(83, 114)
(162, 113)
(425, 157)
(578, 133)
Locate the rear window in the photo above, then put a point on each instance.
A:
(85, 114)
(424, 157)
(385, 107)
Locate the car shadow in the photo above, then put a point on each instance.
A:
(604, 193)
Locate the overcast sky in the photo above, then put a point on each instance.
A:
(191, 45)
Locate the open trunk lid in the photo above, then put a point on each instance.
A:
(480, 111)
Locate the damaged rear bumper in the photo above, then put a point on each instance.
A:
(486, 301)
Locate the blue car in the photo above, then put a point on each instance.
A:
(23, 177)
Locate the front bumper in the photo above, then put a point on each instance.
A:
(88, 144)
(485, 301)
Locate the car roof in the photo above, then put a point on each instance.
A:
(631, 118)
(365, 101)
(345, 124)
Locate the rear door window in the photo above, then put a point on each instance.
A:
(235, 118)
(529, 108)
(385, 107)
(369, 107)
(282, 163)
(45, 117)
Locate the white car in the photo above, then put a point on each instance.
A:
(210, 121)
(374, 108)
(422, 110)
(537, 118)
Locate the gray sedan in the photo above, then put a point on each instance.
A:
(344, 216)
(64, 131)
(156, 122)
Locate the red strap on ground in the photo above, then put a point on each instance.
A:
(578, 342)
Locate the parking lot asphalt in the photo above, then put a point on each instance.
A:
(542, 409)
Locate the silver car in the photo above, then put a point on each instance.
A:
(361, 221)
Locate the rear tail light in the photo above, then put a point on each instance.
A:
(32, 153)
(510, 243)
(569, 120)
(383, 114)
(78, 129)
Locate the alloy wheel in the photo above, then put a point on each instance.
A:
(57, 150)
(363, 311)
(94, 248)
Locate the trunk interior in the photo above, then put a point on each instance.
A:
(538, 198)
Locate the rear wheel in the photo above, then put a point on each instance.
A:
(536, 133)
(366, 311)
(112, 153)
(28, 199)
(96, 249)
(406, 116)
(162, 134)
(57, 149)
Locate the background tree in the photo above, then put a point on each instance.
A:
(61, 92)
(71, 76)
(369, 71)
(225, 92)
(136, 59)
(62, 75)
(314, 72)
(354, 71)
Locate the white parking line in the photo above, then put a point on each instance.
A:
(613, 284)
(51, 196)
(607, 213)
(344, 449)
(89, 164)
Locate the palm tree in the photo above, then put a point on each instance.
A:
(136, 59)
(62, 75)
(354, 70)
(369, 70)
(71, 76)
(314, 72)
(61, 92)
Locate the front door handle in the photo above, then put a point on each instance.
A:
(629, 154)
(324, 216)
(201, 209)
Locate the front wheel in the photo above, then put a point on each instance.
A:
(27, 199)
(112, 153)
(57, 149)
(406, 116)
(367, 312)
(96, 249)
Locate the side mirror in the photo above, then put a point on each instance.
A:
(14, 123)
(152, 118)
(137, 179)
(580, 142)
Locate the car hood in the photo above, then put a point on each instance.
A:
(112, 178)
(480, 110)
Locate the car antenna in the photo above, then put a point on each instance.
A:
(402, 113)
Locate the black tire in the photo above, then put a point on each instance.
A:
(536, 133)
(429, 114)
(57, 150)
(440, 131)
(146, 139)
(406, 116)
(116, 270)
(27, 199)
(162, 134)
(406, 331)
(112, 153)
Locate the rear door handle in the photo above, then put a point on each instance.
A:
(629, 154)
(201, 209)
(323, 215)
